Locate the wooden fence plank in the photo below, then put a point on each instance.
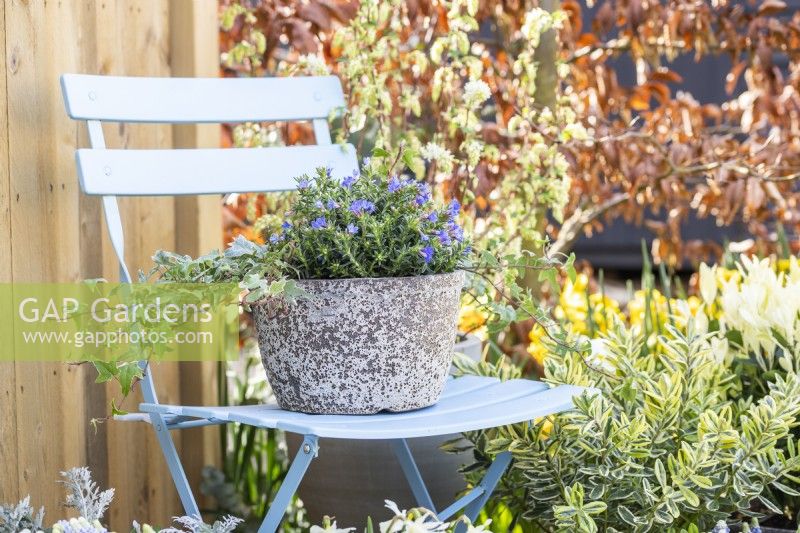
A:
(44, 224)
(9, 474)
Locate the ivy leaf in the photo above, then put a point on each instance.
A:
(116, 410)
(549, 275)
(241, 246)
(127, 372)
(569, 267)
(105, 371)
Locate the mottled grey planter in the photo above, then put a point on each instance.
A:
(352, 478)
(360, 346)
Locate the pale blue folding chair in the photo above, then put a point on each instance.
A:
(467, 404)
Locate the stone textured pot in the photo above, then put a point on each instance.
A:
(352, 478)
(361, 346)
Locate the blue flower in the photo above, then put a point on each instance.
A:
(433, 217)
(424, 237)
(318, 204)
(444, 238)
(365, 162)
(286, 225)
(331, 204)
(395, 184)
(319, 223)
(427, 253)
(349, 181)
(328, 171)
(721, 527)
(456, 231)
(423, 193)
(352, 229)
(303, 184)
(359, 207)
(275, 238)
(454, 208)
(467, 249)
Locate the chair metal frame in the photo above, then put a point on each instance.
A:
(111, 173)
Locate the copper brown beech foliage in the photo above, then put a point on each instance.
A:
(655, 154)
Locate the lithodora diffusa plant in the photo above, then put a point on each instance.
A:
(373, 223)
(377, 224)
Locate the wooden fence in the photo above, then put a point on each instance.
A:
(50, 232)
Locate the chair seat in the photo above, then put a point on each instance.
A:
(468, 403)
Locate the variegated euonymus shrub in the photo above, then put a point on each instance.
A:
(664, 443)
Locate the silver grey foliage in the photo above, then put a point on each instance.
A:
(193, 524)
(21, 516)
(84, 495)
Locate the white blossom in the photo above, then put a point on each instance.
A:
(476, 92)
(313, 65)
(708, 283)
(441, 155)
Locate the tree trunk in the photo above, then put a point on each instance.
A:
(546, 84)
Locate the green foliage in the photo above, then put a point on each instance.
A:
(660, 446)
(373, 224)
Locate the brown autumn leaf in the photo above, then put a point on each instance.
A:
(604, 18)
(586, 39)
(640, 99)
(303, 39)
(771, 7)
(666, 75)
(316, 14)
(659, 91)
(342, 10)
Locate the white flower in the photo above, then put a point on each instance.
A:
(402, 522)
(762, 303)
(601, 358)
(313, 65)
(434, 152)
(719, 349)
(476, 92)
(537, 21)
(574, 131)
(443, 157)
(708, 283)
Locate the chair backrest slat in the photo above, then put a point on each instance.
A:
(195, 100)
(206, 171)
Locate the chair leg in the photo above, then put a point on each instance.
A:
(175, 466)
(414, 478)
(488, 484)
(308, 450)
